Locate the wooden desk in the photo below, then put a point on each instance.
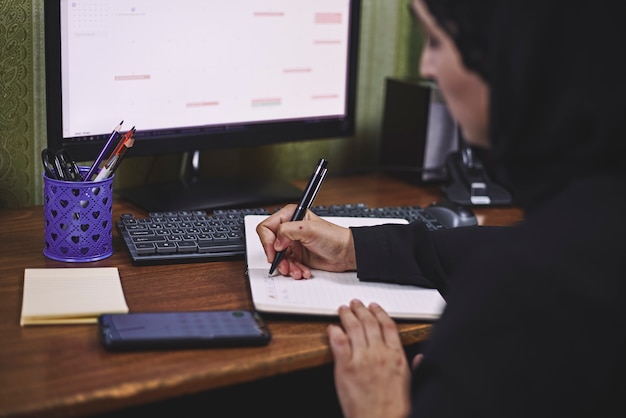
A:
(63, 371)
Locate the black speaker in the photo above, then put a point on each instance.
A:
(417, 131)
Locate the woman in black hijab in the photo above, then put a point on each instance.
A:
(535, 322)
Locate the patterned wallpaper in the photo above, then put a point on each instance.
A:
(389, 48)
(16, 104)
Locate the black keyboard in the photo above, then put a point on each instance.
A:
(195, 236)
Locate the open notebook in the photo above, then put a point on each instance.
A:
(325, 292)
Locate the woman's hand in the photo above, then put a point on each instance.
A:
(310, 243)
(372, 374)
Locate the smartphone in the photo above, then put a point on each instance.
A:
(192, 329)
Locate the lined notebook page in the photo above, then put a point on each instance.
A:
(325, 292)
(71, 295)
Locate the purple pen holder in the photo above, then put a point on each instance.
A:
(78, 219)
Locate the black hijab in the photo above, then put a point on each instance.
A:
(535, 321)
(557, 74)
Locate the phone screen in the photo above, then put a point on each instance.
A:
(156, 330)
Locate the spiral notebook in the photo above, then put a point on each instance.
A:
(323, 293)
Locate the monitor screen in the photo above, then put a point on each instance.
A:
(199, 74)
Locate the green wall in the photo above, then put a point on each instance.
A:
(389, 48)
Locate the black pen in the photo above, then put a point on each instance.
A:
(305, 202)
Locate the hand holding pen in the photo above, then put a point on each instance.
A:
(305, 203)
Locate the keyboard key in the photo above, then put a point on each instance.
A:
(165, 247)
(187, 246)
(144, 248)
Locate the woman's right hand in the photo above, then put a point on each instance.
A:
(310, 243)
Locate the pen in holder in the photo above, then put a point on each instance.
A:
(78, 219)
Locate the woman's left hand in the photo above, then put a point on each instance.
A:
(372, 374)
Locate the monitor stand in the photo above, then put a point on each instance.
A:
(189, 192)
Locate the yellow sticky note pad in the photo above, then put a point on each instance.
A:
(71, 295)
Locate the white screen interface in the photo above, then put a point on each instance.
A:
(162, 64)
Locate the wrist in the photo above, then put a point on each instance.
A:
(350, 253)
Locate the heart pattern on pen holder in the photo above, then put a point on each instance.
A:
(78, 219)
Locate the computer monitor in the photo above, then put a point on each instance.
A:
(195, 75)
